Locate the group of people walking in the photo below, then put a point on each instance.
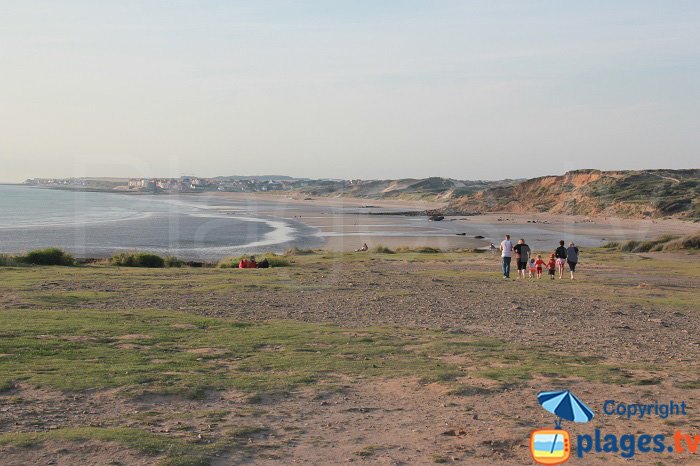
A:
(529, 266)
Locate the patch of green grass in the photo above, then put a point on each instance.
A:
(71, 297)
(175, 450)
(469, 390)
(510, 363)
(369, 451)
(113, 349)
(6, 385)
(690, 385)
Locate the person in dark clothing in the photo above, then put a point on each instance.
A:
(522, 256)
(572, 258)
(560, 258)
(264, 264)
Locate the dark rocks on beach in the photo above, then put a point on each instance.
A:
(436, 218)
(461, 234)
(478, 237)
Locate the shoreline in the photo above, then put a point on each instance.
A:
(343, 224)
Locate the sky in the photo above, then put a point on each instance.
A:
(347, 89)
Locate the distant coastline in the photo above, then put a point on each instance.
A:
(634, 194)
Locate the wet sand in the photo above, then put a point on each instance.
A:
(344, 224)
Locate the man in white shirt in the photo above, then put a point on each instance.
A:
(506, 255)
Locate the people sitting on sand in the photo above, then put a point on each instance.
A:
(363, 248)
(560, 258)
(264, 264)
(252, 264)
(243, 264)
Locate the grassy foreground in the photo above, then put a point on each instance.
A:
(145, 332)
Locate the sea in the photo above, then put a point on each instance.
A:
(208, 227)
(99, 224)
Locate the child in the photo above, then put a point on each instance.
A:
(531, 269)
(538, 265)
(552, 266)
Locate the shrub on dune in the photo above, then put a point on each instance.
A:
(662, 243)
(277, 261)
(137, 259)
(295, 251)
(419, 249)
(691, 241)
(172, 261)
(273, 260)
(7, 261)
(48, 256)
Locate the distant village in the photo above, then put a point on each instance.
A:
(192, 184)
(172, 185)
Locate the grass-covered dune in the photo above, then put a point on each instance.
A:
(623, 193)
(183, 365)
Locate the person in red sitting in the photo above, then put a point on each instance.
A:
(243, 264)
(252, 264)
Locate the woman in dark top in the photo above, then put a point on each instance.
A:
(572, 258)
(522, 255)
(560, 257)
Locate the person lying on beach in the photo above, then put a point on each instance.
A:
(363, 248)
(264, 264)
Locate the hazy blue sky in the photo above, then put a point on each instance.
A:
(352, 89)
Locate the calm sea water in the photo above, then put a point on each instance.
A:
(94, 224)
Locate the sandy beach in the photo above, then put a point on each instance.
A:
(345, 224)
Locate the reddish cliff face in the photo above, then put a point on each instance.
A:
(647, 193)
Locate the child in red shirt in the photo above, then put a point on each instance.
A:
(552, 266)
(538, 266)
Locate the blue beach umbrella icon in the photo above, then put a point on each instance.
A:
(566, 406)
